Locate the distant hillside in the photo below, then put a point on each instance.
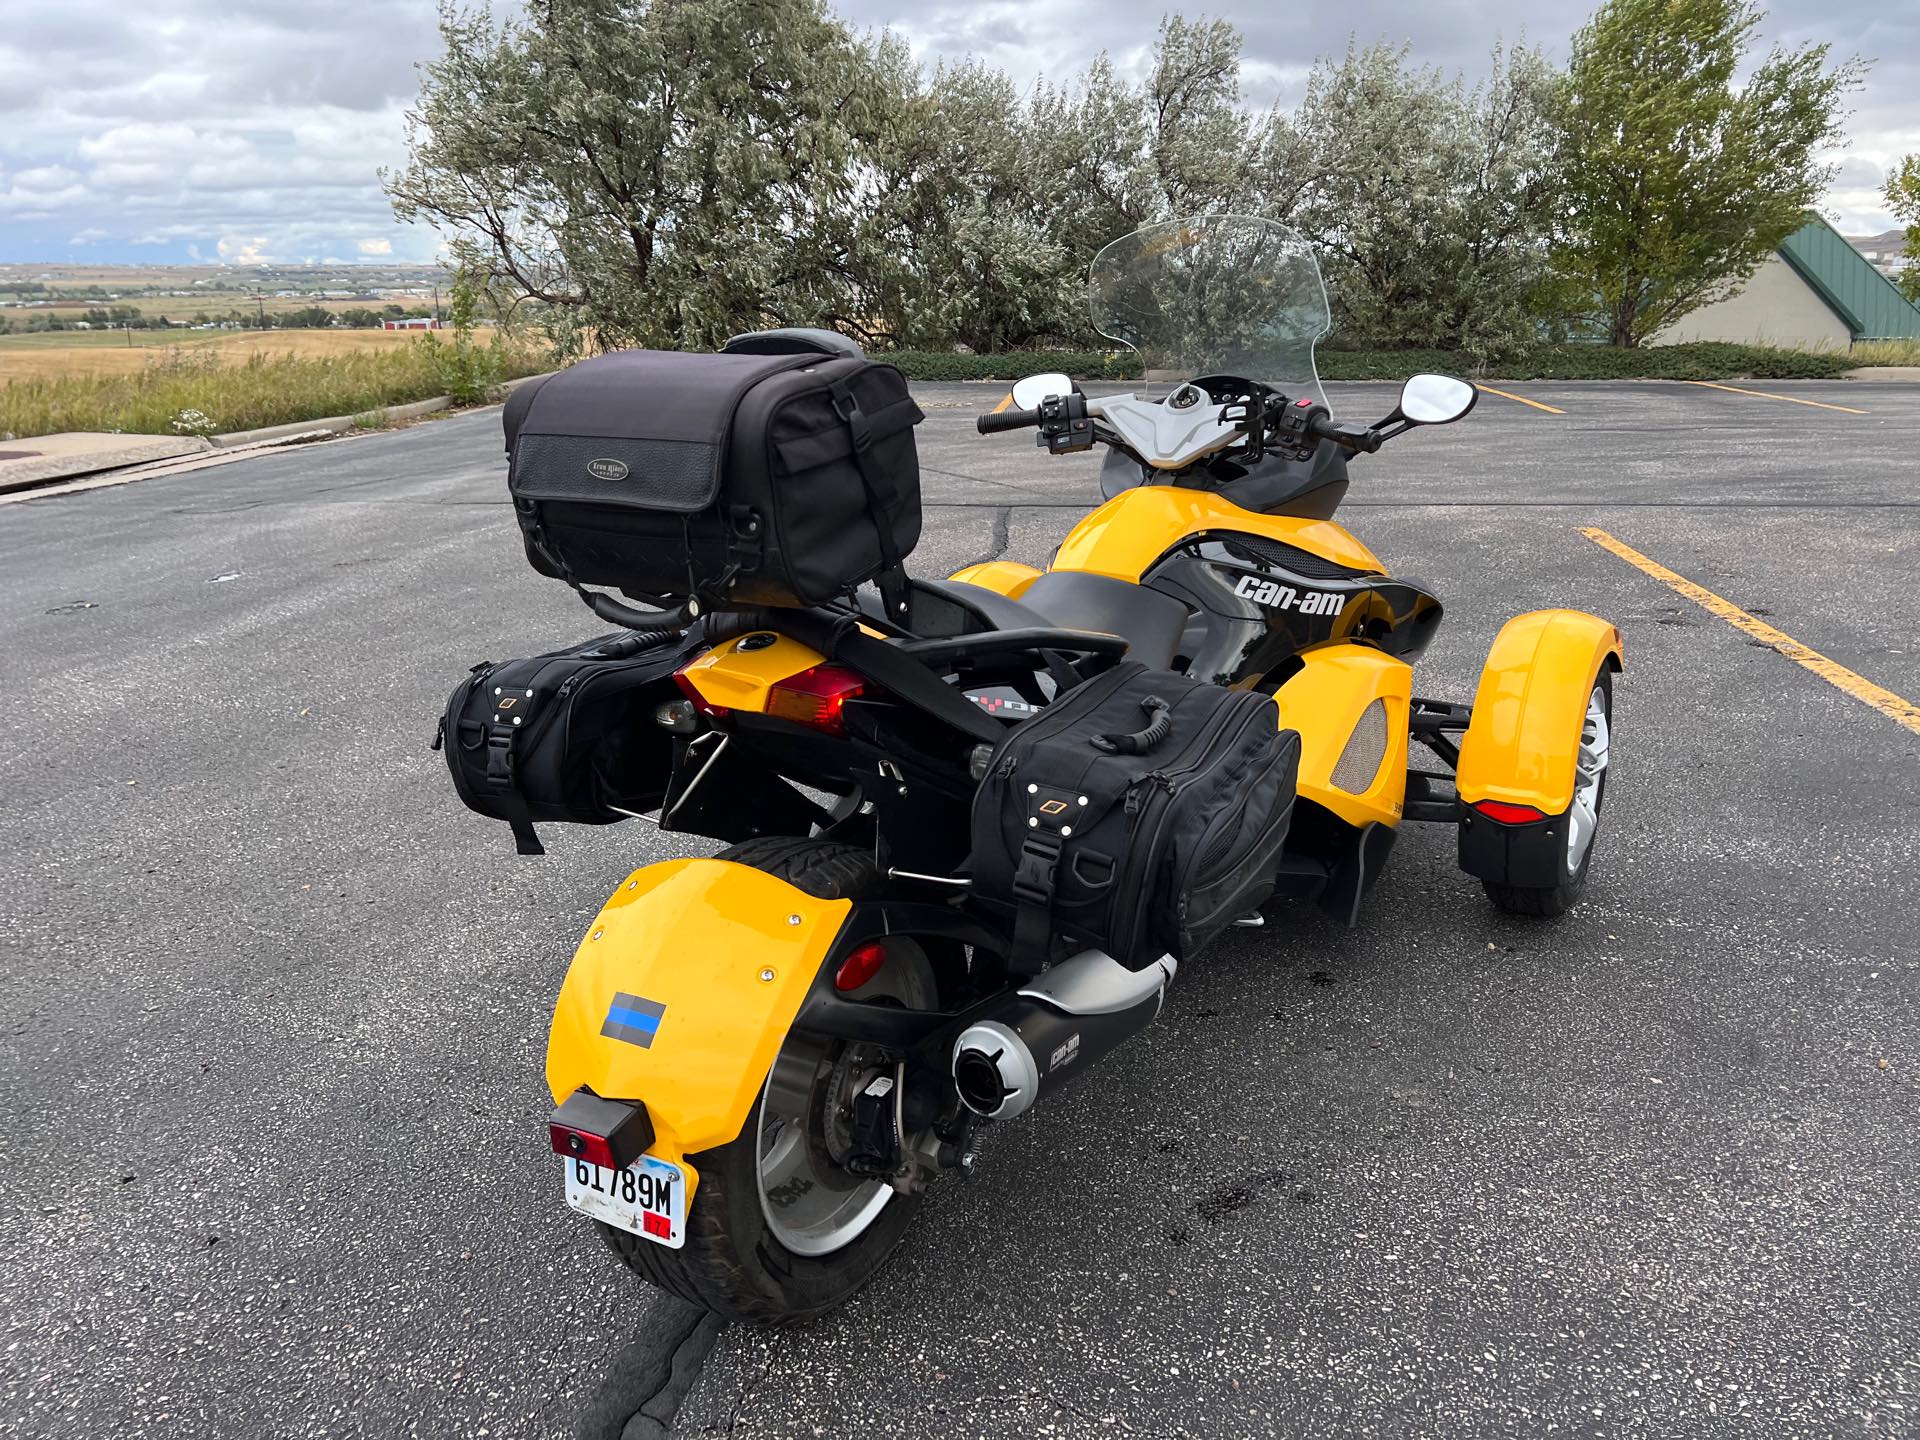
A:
(1886, 251)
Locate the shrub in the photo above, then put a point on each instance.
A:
(1013, 364)
(1702, 360)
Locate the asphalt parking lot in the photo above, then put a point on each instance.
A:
(272, 1159)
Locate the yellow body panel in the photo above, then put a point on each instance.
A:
(736, 679)
(1324, 701)
(1127, 534)
(1528, 710)
(1009, 577)
(729, 951)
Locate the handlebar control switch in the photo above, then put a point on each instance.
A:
(1065, 425)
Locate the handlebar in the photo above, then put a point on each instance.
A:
(1323, 426)
(1000, 420)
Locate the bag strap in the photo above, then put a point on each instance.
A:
(882, 496)
(500, 772)
(841, 638)
(914, 683)
(1034, 876)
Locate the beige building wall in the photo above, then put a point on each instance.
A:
(1777, 307)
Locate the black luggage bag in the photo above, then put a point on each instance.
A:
(565, 736)
(1141, 813)
(740, 479)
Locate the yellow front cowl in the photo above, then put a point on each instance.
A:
(726, 953)
(1126, 535)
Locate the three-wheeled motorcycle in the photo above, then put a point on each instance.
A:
(761, 1059)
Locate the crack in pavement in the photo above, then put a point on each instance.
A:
(648, 1379)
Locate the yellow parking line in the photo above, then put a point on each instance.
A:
(1896, 709)
(1488, 389)
(1006, 402)
(1769, 395)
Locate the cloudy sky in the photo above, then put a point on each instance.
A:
(176, 130)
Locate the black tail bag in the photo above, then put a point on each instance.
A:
(1141, 813)
(565, 736)
(733, 479)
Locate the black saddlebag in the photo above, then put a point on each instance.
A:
(565, 736)
(1141, 813)
(731, 479)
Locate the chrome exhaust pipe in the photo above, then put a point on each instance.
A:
(1058, 1025)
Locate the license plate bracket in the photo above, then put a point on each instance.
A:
(648, 1198)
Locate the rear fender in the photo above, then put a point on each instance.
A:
(1524, 737)
(682, 994)
(1009, 577)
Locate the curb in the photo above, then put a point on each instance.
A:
(330, 425)
(335, 424)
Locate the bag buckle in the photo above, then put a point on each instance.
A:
(1033, 878)
(500, 757)
(848, 409)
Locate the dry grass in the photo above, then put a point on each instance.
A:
(99, 352)
(1886, 352)
(208, 390)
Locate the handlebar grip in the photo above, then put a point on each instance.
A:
(1000, 420)
(1323, 426)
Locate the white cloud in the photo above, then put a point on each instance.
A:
(90, 236)
(194, 123)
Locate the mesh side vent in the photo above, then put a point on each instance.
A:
(1366, 748)
(1291, 557)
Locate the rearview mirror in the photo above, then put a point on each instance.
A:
(1028, 393)
(1435, 399)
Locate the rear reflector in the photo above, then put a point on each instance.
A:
(1508, 814)
(816, 697)
(609, 1133)
(860, 966)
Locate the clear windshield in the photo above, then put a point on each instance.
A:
(1215, 295)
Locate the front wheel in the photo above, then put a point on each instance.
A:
(779, 1230)
(1581, 821)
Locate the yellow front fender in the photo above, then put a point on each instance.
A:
(1525, 734)
(682, 994)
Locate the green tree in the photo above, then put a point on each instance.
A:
(1677, 184)
(660, 172)
(1903, 198)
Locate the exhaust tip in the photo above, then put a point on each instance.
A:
(994, 1071)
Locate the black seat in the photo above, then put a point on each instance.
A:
(1151, 622)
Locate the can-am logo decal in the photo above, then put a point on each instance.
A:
(607, 469)
(1273, 594)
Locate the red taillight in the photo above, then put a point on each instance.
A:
(581, 1145)
(1508, 814)
(816, 697)
(860, 966)
(687, 689)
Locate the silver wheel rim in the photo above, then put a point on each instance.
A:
(1589, 777)
(813, 1206)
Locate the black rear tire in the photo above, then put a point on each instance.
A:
(732, 1263)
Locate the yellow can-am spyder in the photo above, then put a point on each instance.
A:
(761, 1059)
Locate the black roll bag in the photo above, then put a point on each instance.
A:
(735, 479)
(567, 736)
(1141, 813)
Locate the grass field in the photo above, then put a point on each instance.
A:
(101, 352)
(257, 380)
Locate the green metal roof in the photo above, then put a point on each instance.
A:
(1840, 275)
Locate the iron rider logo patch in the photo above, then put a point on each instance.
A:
(1277, 596)
(607, 469)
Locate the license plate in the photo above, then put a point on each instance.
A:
(648, 1198)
